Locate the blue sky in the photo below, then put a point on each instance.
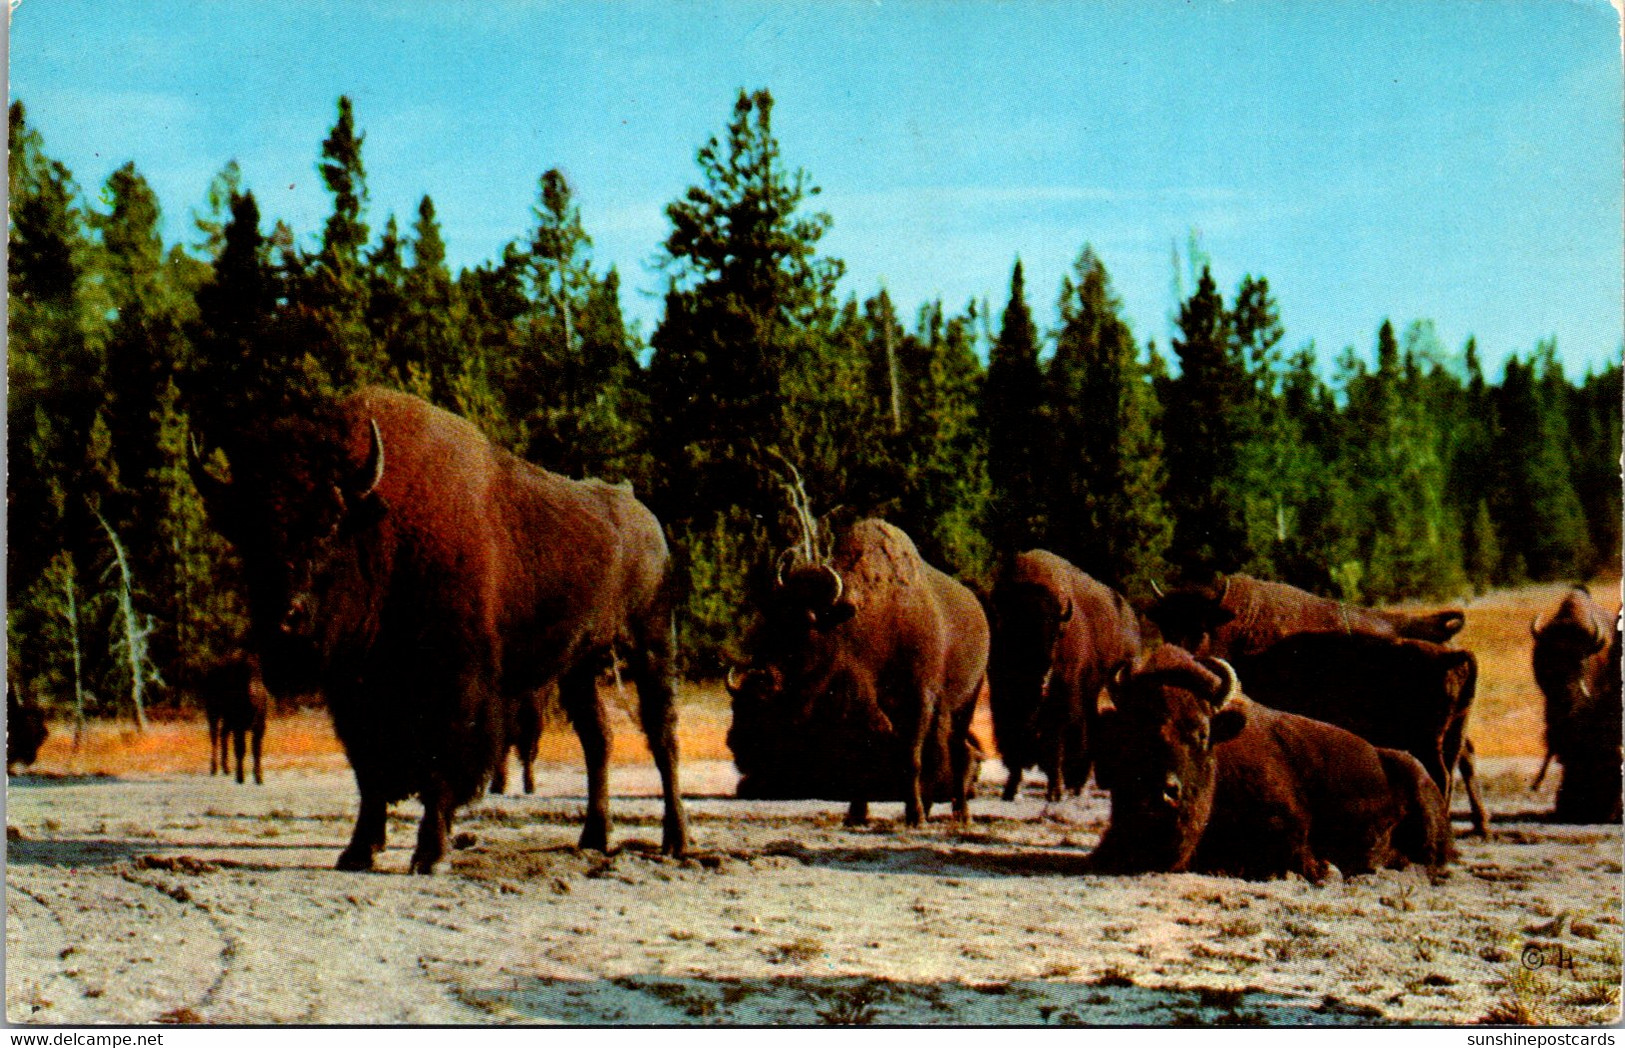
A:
(1458, 161)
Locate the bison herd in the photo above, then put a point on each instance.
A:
(439, 592)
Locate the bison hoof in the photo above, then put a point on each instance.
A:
(594, 838)
(355, 860)
(422, 865)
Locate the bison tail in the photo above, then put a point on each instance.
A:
(1423, 834)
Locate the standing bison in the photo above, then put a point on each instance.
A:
(862, 682)
(1205, 780)
(234, 703)
(1057, 635)
(1239, 615)
(426, 582)
(1577, 665)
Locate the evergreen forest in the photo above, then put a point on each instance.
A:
(1392, 472)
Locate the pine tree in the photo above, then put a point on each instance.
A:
(748, 304)
(1594, 423)
(1013, 407)
(1106, 477)
(1202, 436)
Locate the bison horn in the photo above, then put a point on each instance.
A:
(1229, 689)
(1534, 625)
(840, 587)
(1066, 612)
(735, 679)
(1224, 590)
(373, 472)
(778, 568)
(1157, 590)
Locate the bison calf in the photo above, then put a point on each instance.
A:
(1203, 779)
(234, 703)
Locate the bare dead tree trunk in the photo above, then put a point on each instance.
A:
(72, 615)
(135, 631)
(891, 376)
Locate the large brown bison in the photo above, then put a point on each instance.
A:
(1409, 695)
(1205, 780)
(234, 703)
(26, 731)
(426, 581)
(1238, 615)
(862, 681)
(1577, 665)
(1057, 634)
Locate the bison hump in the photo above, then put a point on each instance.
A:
(873, 555)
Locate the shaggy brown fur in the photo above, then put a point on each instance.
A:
(863, 681)
(1577, 665)
(1204, 779)
(1410, 695)
(428, 582)
(1057, 634)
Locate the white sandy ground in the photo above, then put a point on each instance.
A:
(191, 899)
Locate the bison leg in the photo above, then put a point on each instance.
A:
(259, 745)
(499, 773)
(368, 838)
(857, 813)
(216, 754)
(437, 808)
(239, 744)
(578, 692)
(659, 715)
(1467, 763)
(913, 804)
(1012, 785)
(530, 737)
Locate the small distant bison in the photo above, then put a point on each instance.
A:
(1409, 695)
(530, 715)
(426, 582)
(1057, 635)
(863, 677)
(1205, 780)
(235, 702)
(1577, 665)
(26, 731)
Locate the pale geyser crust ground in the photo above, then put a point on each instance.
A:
(160, 894)
(180, 898)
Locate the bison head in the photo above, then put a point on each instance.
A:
(1189, 616)
(1159, 723)
(790, 643)
(302, 508)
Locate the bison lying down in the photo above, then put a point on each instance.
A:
(1057, 635)
(863, 678)
(1408, 695)
(1577, 665)
(427, 582)
(1203, 779)
(1239, 615)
